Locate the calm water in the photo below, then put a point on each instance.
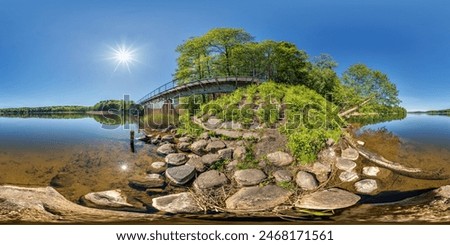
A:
(86, 157)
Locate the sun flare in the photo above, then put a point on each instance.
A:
(124, 56)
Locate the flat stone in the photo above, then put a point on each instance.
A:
(210, 179)
(185, 139)
(280, 158)
(366, 186)
(239, 152)
(249, 177)
(321, 171)
(333, 198)
(166, 149)
(258, 198)
(214, 146)
(106, 199)
(348, 176)
(371, 171)
(327, 156)
(196, 162)
(184, 146)
(306, 181)
(232, 165)
(214, 123)
(198, 147)
(350, 154)
(177, 203)
(168, 138)
(443, 191)
(345, 164)
(361, 143)
(282, 176)
(251, 135)
(226, 154)
(231, 125)
(210, 159)
(229, 133)
(147, 181)
(157, 167)
(176, 159)
(180, 175)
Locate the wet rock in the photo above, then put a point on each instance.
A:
(321, 171)
(199, 146)
(210, 179)
(251, 136)
(229, 133)
(168, 138)
(280, 158)
(196, 162)
(366, 186)
(282, 176)
(350, 154)
(333, 198)
(210, 159)
(147, 181)
(249, 177)
(226, 154)
(158, 167)
(106, 199)
(327, 156)
(166, 149)
(258, 198)
(371, 171)
(239, 152)
(348, 176)
(185, 139)
(176, 159)
(184, 146)
(62, 180)
(330, 142)
(180, 175)
(177, 203)
(214, 146)
(306, 181)
(345, 164)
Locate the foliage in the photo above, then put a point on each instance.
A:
(249, 161)
(288, 185)
(45, 109)
(186, 126)
(115, 105)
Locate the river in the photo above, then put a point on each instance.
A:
(89, 156)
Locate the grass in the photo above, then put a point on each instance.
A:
(288, 185)
(249, 161)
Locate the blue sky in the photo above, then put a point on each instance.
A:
(55, 52)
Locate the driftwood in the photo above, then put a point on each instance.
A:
(398, 168)
(355, 108)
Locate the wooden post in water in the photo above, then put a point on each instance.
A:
(132, 140)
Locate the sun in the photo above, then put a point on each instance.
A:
(124, 56)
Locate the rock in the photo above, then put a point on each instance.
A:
(196, 162)
(258, 198)
(185, 139)
(443, 191)
(371, 171)
(176, 159)
(366, 186)
(333, 198)
(327, 156)
(321, 171)
(226, 154)
(213, 123)
(158, 167)
(210, 179)
(306, 181)
(345, 164)
(348, 176)
(250, 136)
(231, 125)
(180, 175)
(168, 138)
(177, 203)
(350, 154)
(282, 176)
(214, 146)
(62, 180)
(232, 165)
(154, 141)
(249, 177)
(166, 149)
(239, 152)
(280, 158)
(330, 142)
(146, 182)
(204, 136)
(184, 146)
(229, 133)
(106, 199)
(361, 143)
(210, 159)
(198, 147)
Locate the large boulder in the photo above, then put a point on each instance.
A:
(176, 159)
(106, 199)
(306, 181)
(366, 186)
(280, 158)
(210, 179)
(198, 147)
(215, 145)
(180, 175)
(350, 154)
(196, 162)
(258, 198)
(345, 164)
(249, 177)
(166, 149)
(333, 198)
(177, 203)
(147, 181)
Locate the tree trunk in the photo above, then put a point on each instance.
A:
(355, 108)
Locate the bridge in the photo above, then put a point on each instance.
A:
(172, 89)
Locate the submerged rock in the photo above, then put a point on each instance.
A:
(180, 175)
(106, 199)
(176, 159)
(345, 164)
(371, 171)
(366, 186)
(157, 167)
(166, 149)
(258, 198)
(146, 182)
(177, 203)
(348, 176)
(350, 154)
(249, 177)
(210, 179)
(282, 176)
(333, 198)
(306, 181)
(280, 158)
